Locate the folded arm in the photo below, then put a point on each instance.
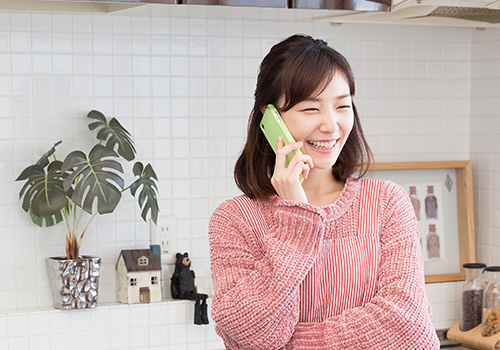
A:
(398, 316)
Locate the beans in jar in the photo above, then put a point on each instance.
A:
(472, 307)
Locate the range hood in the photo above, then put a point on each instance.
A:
(116, 5)
(457, 13)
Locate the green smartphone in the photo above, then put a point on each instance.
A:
(272, 125)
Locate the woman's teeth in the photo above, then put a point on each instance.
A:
(322, 145)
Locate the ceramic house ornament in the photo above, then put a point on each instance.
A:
(138, 277)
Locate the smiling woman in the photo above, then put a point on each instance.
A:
(334, 262)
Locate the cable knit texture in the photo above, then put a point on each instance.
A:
(313, 278)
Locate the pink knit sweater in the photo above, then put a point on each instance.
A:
(345, 276)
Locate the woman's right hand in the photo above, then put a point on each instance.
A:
(286, 180)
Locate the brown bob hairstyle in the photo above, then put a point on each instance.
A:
(294, 70)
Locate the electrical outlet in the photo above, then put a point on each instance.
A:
(164, 234)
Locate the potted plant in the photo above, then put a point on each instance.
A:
(63, 191)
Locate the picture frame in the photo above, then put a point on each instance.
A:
(452, 243)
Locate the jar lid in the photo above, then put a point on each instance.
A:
(492, 268)
(474, 266)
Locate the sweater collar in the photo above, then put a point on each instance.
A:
(331, 211)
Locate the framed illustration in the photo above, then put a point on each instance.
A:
(441, 195)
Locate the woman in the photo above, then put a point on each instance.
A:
(334, 262)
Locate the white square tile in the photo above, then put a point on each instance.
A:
(120, 338)
(141, 24)
(139, 337)
(102, 43)
(21, 63)
(433, 51)
(103, 86)
(18, 343)
(403, 50)
(100, 339)
(142, 86)
(82, 65)
(20, 42)
(139, 316)
(234, 67)
(198, 87)
(177, 334)
(181, 189)
(448, 311)
(141, 65)
(39, 342)
(386, 88)
(21, 85)
(403, 69)
(387, 50)
(354, 50)
(371, 69)
(197, 45)
(18, 325)
(433, 292)
(120, 317)
(159, 336)
(62, 42)
(198, 66)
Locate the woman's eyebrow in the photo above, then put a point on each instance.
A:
(315, 99)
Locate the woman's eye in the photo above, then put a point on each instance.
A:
(344, 107)
(309, 109)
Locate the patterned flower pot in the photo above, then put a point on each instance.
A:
(74, 282)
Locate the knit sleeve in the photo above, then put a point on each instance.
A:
(256, 296)
(399, 314)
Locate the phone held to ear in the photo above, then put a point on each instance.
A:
(272, 125)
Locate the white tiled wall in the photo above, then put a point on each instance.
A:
(183, 86)
(485, 142)
(157, 326)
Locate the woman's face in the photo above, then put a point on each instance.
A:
(323, 122)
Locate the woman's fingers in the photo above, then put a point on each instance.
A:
(285, 179)
(283, 150)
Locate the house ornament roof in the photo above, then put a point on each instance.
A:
(131, 259)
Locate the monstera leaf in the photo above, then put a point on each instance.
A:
(44, 160)
(114, 133)
(44, 196)
(147, 197)
(99, 177)
(49, 220)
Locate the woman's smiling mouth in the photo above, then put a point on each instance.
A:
(322, 144)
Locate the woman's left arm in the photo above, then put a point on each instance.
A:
(399, 315)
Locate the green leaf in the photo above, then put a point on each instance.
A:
(113, 134)
(147, 199)
(49, 220)
(44, 160)
(43, 192)
(99, 176)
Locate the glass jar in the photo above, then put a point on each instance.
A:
(491, 302)
(472, 296)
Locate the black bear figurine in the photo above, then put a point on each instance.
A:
(182, 287)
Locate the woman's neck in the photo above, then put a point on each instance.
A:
(321, 187)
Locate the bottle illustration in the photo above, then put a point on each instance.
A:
(415, 201)
(433, 243)
(431, 205)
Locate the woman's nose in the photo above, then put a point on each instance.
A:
(329, 121)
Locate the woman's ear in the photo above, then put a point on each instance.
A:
(263, 109)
